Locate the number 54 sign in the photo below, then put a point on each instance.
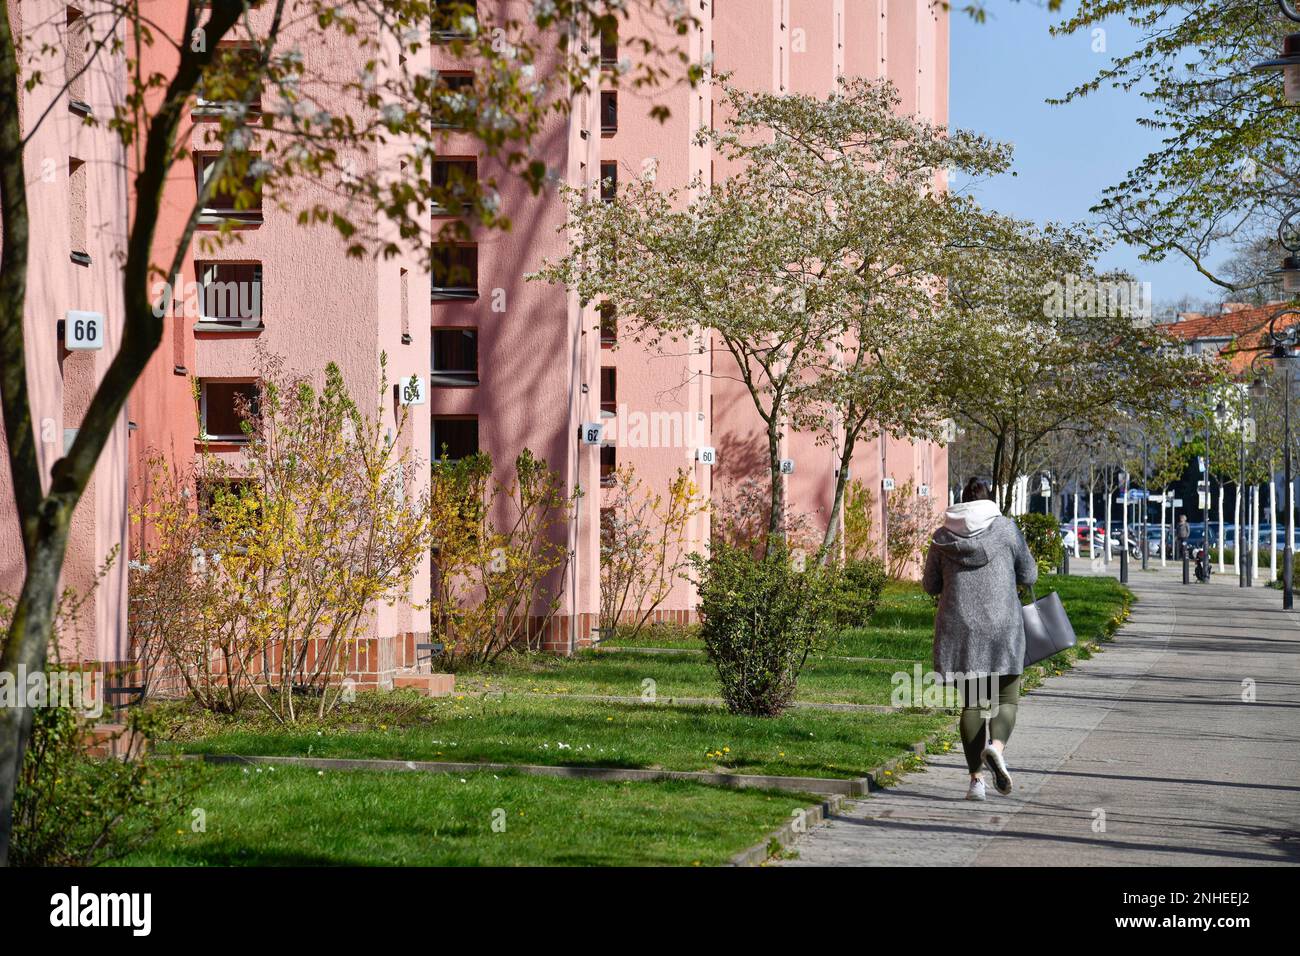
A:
(83, 331)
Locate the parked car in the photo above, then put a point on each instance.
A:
(1157, 542)
(1084, 529)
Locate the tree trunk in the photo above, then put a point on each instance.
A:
(837, 505)
(25, 651)
(776, 516)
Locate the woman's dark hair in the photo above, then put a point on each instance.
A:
(977, 489)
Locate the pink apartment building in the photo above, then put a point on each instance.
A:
(544, 366)
(77, 195)
(511, 364)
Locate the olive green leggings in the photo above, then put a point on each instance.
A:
(977, 700)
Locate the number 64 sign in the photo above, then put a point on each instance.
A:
(410, 391)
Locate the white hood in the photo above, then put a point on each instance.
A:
(970, 517)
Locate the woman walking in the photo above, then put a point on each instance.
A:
(975, 563)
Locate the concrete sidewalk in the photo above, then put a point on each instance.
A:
(1145, 755)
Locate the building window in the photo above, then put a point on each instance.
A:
(236, 73)
(77, 211)
(608, 391)
(455, 272)
(455, 357)
(454, 19)
(608, 325)
(609, 46)
(608, 465)
(76, 44)
(608, 181)
(455, 104)
(225, 408)
(609, 112)
(454, 438)
(230, 294)
(454, 182)
(227, 198)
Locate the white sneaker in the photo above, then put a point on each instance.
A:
(976, 791)
(1001, 776)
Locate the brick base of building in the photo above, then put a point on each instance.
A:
(115, 740)
(585, 628)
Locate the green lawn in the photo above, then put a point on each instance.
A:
(824, 679)
(293, 817)
(540, 730)
(296, 816)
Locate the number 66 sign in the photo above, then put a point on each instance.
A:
(83, 331)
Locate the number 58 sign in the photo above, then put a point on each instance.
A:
(83, 331)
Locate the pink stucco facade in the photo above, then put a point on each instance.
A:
(811, 43)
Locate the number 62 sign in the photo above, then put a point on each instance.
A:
(83, 331)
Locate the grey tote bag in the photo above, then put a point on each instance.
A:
(1047, 628)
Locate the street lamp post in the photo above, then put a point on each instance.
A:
(1209, 565)
(1289, 61)
(1243, 520)
(1283, 356)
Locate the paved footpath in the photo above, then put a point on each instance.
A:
(1150, 738)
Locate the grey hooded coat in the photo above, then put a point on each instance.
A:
(978, 629)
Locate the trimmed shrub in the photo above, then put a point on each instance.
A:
(760, 617)
(1043, 535)
(855, 592)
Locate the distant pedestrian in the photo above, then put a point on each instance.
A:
(975, 563)
(1183, 532)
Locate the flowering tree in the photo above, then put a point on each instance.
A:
(822, 237)
(1051, 348)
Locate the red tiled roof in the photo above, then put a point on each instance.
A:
(1245, 326)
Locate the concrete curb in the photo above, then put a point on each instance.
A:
(785, 835)
(852, 786)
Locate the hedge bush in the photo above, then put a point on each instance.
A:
(759, 619)
(855, 591)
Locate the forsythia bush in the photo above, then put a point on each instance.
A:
(1043, 535)
(263, 569)
(643, 541)
(499, 556)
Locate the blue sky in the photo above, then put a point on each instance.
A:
(1002, 72)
